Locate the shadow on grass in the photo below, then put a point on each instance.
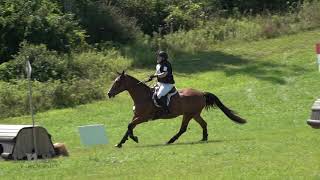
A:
(189, 143)
(233, 65)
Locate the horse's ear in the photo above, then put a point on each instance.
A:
(118, 73)
(123, 72)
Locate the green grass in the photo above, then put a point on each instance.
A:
(272, 83)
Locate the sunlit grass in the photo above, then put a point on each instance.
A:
(271, 83)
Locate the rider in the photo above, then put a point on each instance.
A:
(165, 79)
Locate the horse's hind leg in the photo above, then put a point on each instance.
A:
(185, 121)
(203, 124)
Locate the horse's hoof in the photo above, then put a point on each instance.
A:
(118, 145)
(204, 140)
(135, 139)
(170, 142)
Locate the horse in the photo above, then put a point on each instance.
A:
(187, 102)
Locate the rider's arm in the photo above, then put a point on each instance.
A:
(162, 74)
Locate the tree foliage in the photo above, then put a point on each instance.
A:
(257, 6)
(150, 14)
(101, 21)
(46, 65)
(37, 22)
(64, 25)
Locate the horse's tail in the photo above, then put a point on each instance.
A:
(213, 101)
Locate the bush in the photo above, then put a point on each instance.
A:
(142, 51)
(257, 6)
(306, 16)
(202, 38)
(77, 91)
(58, 81)
(95, 65)
(150, 14)
(14, 98)
(185, 15)
(38, 22)
(46, 64)
(310, 14)
(101, 21)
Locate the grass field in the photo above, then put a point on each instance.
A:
(271, 83)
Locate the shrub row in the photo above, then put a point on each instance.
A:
(14, 99)
(58, 80)
(248, 28)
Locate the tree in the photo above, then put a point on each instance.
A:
(102, 21)
(36, 21)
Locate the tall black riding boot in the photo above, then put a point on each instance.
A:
(163, 103)
(164, 109)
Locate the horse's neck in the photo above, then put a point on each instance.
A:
(138, 92)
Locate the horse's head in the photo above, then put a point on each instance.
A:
(118, 86)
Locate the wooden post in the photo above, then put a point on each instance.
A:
(34, 134)
(318, 55)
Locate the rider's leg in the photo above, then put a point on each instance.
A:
(161, 90)
(161, 98)
(163, 104)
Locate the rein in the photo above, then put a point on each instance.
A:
(143, 82)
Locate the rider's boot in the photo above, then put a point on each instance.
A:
(163, 102)
(164, 110)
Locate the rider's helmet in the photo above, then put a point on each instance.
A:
(161, 56)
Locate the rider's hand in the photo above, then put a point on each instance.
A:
(151, 77)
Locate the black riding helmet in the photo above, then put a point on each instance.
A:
(162, 55)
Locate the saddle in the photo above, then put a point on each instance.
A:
(168, 96)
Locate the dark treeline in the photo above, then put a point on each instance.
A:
(63, 25)
(152, 14)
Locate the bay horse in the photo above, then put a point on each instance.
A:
(187, 102)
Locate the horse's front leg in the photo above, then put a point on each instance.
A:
(129, 132)
(123, 140)
(185, 121)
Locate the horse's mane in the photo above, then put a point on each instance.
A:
(139, 83)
